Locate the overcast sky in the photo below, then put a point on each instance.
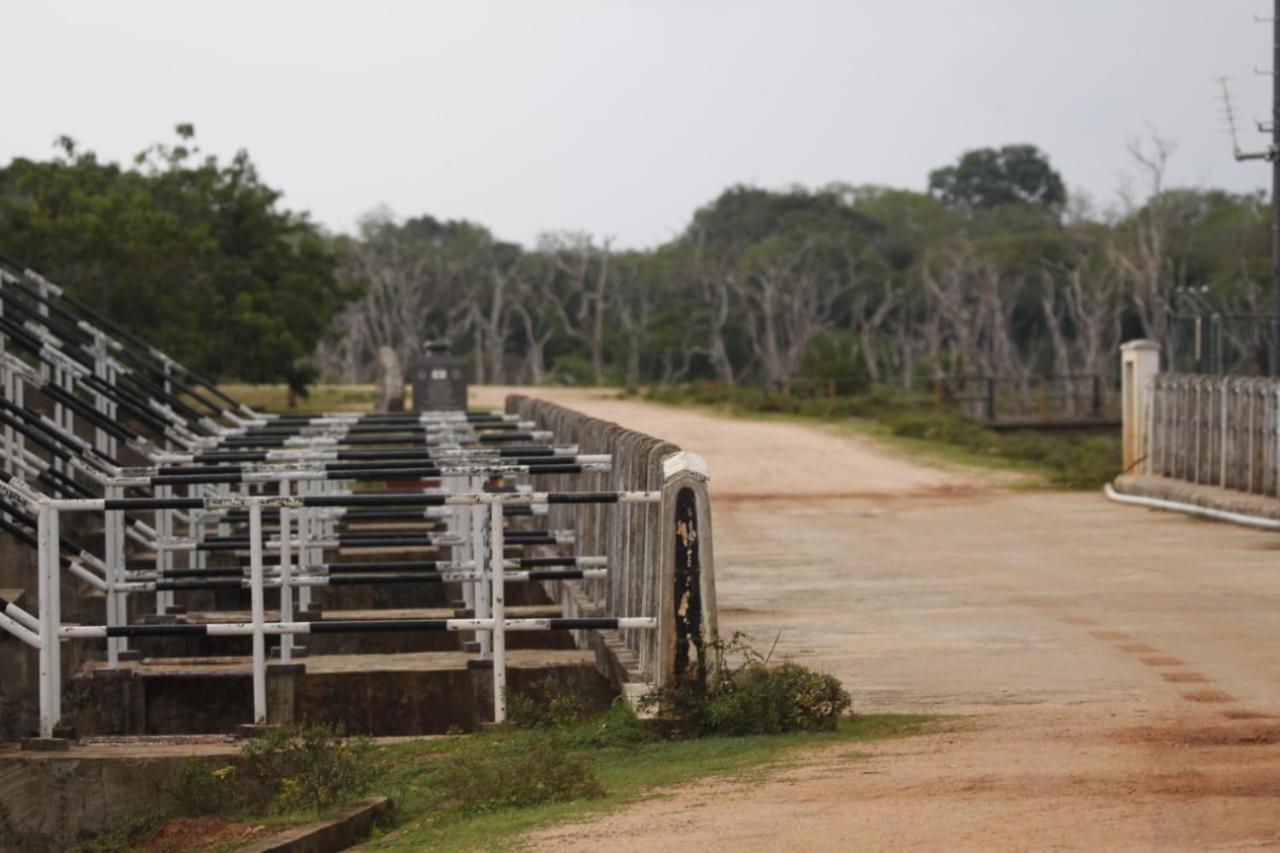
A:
(621, 117)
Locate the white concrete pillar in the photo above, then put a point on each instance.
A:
(1139, 363)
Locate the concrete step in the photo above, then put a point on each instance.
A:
(403, 694)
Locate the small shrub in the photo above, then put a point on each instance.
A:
(754, 698)
(517, 773)
(285, 769)
(760, 699)
(304, 767)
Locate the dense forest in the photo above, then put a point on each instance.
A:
(994, 271)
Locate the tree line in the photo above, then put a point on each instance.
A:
(995, 271)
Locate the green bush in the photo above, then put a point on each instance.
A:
(754, 697)
(760, 699)
(285, 769)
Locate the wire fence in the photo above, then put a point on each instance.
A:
(1221, 344)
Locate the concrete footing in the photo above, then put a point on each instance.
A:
(1209, 497)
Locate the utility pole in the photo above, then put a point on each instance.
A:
(1272, 155)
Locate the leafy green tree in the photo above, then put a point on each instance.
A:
(1000, 177)
(192, 254)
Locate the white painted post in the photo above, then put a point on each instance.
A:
(481, 560)
(286, 590)
(55, 377)
(458, 523)
(115, 574)
(161, 522)
(46, 591)
(255, 595)
(499, 614)
(1139, 363)
(305, 560)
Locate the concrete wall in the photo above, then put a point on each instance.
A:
(660, 555)
(50, 802)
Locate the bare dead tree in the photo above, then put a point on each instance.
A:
(871, 307)
(581, 301)
(710, 277)
(787, 300)
(491, 315)
(1139, 248)
(632, 301)
(536, 308)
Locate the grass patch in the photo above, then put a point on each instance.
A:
(627, 763)
(474, 791)
(915, 423)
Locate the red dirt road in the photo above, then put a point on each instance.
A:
(1114, 673)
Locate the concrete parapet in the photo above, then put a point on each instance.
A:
(660, 555)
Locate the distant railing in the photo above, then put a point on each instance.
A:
(1215, 430)
(821, 389)
(1030, 400)
(1064, 400)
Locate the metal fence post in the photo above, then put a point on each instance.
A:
(496, 571)
(286, 574)
(49, 600)
(480, 559)
(255, 594)
(117, 612)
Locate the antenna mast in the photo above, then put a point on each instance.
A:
(1272, 155)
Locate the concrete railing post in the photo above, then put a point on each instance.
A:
(687, 597)
(1139, 363)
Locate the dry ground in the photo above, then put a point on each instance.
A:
(1114, 672)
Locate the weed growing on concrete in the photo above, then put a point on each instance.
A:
(553, 701)
(746, 694)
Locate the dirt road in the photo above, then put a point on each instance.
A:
(1115, 671)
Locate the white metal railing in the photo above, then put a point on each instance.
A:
(1215, 430)
(44, 630)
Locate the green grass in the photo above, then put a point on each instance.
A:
(628, 772)
(482, 791)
